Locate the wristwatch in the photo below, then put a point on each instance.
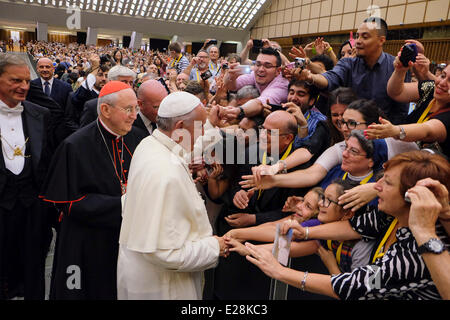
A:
(402, 134)
(284, 170)
(433, 245)
(241, 113)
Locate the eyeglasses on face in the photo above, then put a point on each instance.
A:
(351, 124)
(266, 65)
(354, 152)
(128, 110)
(327, 201)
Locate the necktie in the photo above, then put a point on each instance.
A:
(47, 88)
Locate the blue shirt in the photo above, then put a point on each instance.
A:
(369, 83)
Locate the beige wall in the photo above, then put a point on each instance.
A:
(285, 18)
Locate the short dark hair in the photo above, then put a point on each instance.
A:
(382, 26)
(312, 90)
(346, 42)
(326, 60)
(368, 109)
(342, 95)
(194, 87)
(272, 52)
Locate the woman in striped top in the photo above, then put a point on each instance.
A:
(398, 270)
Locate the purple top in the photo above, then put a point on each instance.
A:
(310, 223)
(276, 91)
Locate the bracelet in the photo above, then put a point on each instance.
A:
(307, 233)
(303, 127)
(303, 284)
(329, 49)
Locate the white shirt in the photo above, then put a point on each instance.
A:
(50, 82)
(11, 130)
(147, 122)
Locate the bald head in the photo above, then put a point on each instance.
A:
(150, 94)
(281, 129)
(283, 121)
(45, 68)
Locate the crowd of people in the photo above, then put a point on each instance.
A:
(167, 175)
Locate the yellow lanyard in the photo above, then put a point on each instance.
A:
(285, 155)
(212, 66)
(338, 252)
(174, 63)
(424, 115)
(198, 77)
(364, 181)
(378, 253)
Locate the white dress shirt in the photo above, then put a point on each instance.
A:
(147, 122)
(11, 130)
(50, 82)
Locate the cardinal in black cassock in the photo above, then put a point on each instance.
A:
(87, 177)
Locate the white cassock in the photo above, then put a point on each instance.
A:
(166, 239)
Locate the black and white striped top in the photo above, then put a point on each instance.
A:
(400, 274)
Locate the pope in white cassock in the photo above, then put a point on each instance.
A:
(166, 239)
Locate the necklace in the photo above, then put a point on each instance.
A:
(122, 185)
(18, 151)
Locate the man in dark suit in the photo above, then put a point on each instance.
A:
(89, 89)
(116, 73)
(56, 89)
(24, 226)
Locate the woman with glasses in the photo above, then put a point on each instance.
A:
(397, 269)
(358, 115)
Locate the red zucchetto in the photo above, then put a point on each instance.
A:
(113, 86)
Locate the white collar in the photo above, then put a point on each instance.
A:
(147, 121)
(108, 129)
(360, 178)
(49, 81)
(6, 109)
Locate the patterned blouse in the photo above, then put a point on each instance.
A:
(400, 273)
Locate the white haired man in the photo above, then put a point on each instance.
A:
(116, 73)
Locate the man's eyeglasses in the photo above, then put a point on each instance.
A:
(266, 65)
(129, 110)
(351, 124)
(327, 201)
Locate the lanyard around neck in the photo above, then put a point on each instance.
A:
(364, 181)
(378, 253)
(285, 155)
(175, 62)
(424, 115)
(338, 252)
